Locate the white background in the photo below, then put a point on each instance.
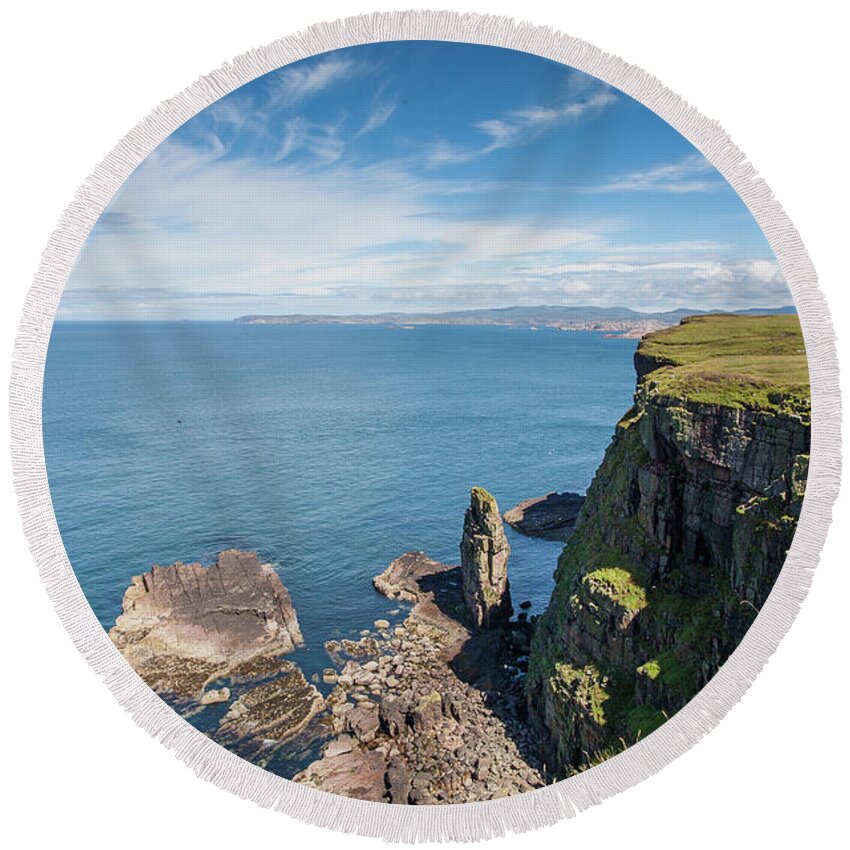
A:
(76, 77)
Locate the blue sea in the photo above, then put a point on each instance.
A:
(329, 449)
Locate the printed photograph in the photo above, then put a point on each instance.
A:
(426, 422)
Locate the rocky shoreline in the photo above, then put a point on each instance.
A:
(675, 548)
(432, 711)
(185, 627)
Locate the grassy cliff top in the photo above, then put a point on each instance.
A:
(737, 361)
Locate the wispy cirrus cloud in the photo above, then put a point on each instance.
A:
(380, 114)
(311, 190)
(296, 83)
(521, 126)
(692, 174)
(323, 141)
(277, 119)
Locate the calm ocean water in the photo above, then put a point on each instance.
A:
(330, 450)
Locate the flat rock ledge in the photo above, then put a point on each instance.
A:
(400, 580)
(552, 516)
(274, 711)
(185, 626)
(430, 711)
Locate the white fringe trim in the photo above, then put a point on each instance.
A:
(471, 821)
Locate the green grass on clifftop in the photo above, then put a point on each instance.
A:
(756, 362)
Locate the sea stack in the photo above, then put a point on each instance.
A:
(484, 552)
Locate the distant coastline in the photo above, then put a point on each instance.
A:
(618, 322)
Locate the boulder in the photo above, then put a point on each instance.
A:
(398, 780)
(214, 696)
(428, 712)
(482, 766)
(393, 715)
(339, 747)
(359, 773)
(455, 706)
(363, 721)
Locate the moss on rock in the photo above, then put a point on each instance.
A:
(682, 534)
(619, 586)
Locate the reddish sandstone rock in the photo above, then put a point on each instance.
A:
(184, 625)
(356, 773)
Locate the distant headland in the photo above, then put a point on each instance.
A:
(621, 322)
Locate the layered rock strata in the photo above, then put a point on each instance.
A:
(684, 531)
(274, 711)
(185, 625)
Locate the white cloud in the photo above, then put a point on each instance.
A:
(193, 234)
(764, 270)
(323, 141)
(294, 137)
(519, 127)
(208, 228)
(296, 83)
(379, 116)
(693, 174)
(658, 283)
(717, 270)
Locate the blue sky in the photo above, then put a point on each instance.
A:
(421, 176)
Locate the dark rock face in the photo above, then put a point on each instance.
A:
(551, 516)
(484, 552)
(684, 531)
(184, 625)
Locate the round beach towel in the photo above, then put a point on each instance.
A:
(419, 424)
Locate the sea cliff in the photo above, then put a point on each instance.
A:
(682, 535)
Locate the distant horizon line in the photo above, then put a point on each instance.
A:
(390, 314)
